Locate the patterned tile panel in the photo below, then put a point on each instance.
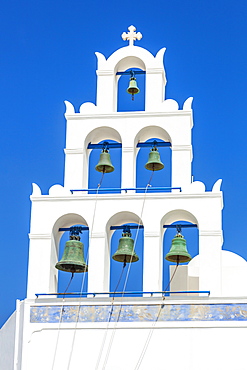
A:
(139, 313)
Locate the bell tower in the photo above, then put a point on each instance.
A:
(93, 327)
(186, 200)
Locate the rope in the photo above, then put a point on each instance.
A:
(84, 276)
(153, 326)
(109, 319)
(126, 280)
(60, 320)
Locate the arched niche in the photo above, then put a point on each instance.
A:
(121, 60)
(159, 178)
(182, 279)
(96, 136)
(59, 239)
(132, 276)
(125, 102)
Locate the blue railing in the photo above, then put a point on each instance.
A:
(136, 293)
(152, 188)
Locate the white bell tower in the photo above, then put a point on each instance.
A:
(161, 119)
(91, 330)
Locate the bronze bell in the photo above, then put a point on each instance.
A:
(154, 163)
(104, 164)
(133, 88)
(178, 252)
(73, 256)
(125, 252)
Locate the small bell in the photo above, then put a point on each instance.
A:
(178, 252)
(154, 163)
(125, 252)
(104, 164)
(73, 256)
(133, 88)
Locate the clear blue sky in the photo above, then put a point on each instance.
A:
(47, 56)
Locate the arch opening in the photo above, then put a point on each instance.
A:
(124, 99)
(161, 178)
(181, 281)
(107, 180)
(134, 277)
(79, 282)
(130, 277)
(59, 240)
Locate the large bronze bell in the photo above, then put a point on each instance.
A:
(125, 252)
(178, 252)
(104, 164)
(133, 88)
(154, 163)
(73, 256)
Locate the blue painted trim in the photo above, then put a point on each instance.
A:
(165, 293)
(129, 226)
(163, 188)
(131, 72)
(151, 143)
(69, 228)
(181, 225)
(102, 145)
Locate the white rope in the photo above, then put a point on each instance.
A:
(125, 284)
(60, 322)
(153, 326)
(84, 275)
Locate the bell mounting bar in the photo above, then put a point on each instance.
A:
(125, 227)
(153, 143)
(104, 145)
(74, 230)
(132, 73)
(179, 227)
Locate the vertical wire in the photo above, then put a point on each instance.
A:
(84, 276)
(153, 326)
(60, 321)
(127, 276)
(109, 319)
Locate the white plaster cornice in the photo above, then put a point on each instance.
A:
(104, 72)
(98, 115)
(98, 235)
(182, 148)
(210, 232)
(155, 70)
(39, 236)
(127, 149)
(73, 151)
(151, 234)
(126, 196)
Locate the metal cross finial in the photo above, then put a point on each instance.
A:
(131, 35)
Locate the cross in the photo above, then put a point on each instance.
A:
(131, 35)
